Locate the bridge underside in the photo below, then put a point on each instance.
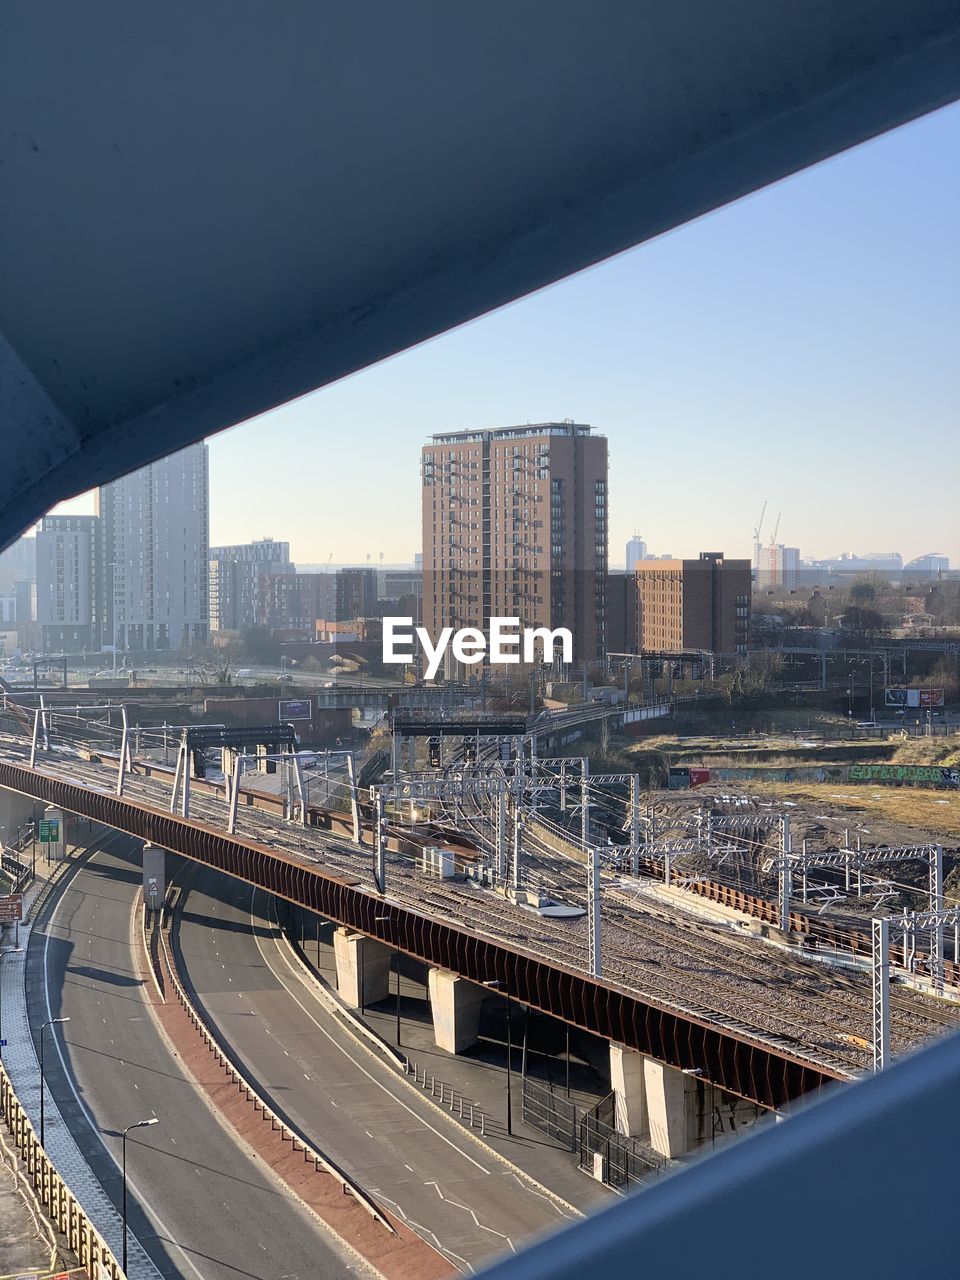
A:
(739, 1065)
(209, 209)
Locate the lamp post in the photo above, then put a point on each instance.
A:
(54, 1022)
(495, 985)
(12, 952)
(138, 1124)
(396, 941)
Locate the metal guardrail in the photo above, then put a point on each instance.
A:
(320, 1161)
(60, 1204)
(463, 1108)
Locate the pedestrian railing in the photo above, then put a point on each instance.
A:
(59, 1203)
(463, 1108)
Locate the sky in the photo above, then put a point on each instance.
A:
(798, 347)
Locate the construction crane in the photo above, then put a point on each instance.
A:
(776, 529)
(756, 534)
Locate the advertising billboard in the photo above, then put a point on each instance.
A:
(900, 696)
(294, 709)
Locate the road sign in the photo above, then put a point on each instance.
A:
(49, 831)
(11, 908)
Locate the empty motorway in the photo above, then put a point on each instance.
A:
(201, 1204)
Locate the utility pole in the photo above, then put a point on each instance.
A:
(635, 825)
(593, 911)
(584, 802)
(786, 874)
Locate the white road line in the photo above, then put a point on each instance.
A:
(349, 1056)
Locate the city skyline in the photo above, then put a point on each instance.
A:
(794, 347)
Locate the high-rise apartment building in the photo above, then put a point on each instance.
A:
(234, 575)
(778, 567)
(515, 525)
(636, 551)
(67, 561)
(18, 563)
(154, 582)
(356, 594)
(684, 605)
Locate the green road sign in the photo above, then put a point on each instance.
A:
(49, 831)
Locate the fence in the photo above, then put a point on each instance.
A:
(59, 1202)
(557, 1117)
(617, 1160)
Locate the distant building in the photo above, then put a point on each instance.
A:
(885, 562)
(68, 555)
(684, 605)
(356, 594)
(621, 604)
(931, 565)
(292, 603)
(515, 525)
(19, 562)
(154, 575)
(234, 574)
(636, 551)
(779, 567)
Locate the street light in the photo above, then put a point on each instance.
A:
(12, 952)
(54, 1022)
(396, 940)
(138, 1124)
(495, 985)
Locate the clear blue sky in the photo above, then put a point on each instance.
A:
(799, 346)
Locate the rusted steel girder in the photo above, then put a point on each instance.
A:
(758, 1072)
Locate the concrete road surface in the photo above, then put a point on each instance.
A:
(464, 1199)
(214, 1213)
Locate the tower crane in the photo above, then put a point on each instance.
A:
(756, 533)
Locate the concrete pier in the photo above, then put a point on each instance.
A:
(363, 967)
(672, 1109)
(455, 1005)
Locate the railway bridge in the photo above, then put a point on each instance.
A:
(689, 1011)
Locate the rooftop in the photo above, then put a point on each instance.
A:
(528, 430)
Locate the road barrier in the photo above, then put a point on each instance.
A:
(463, 1108)
(60, 1204)
(310, 1154)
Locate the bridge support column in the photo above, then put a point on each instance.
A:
(629, 1091)
(363, 968)
(455, 1005)
(16, 810)
(672, 1106)
(668, 1107)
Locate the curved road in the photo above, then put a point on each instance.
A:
(215, 1212)
(464, 1199)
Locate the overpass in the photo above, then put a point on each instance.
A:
(329, 875)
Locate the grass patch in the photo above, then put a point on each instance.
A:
(926, 809)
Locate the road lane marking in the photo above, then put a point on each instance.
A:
(389, 1092)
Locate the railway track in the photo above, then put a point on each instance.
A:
(697, 968)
